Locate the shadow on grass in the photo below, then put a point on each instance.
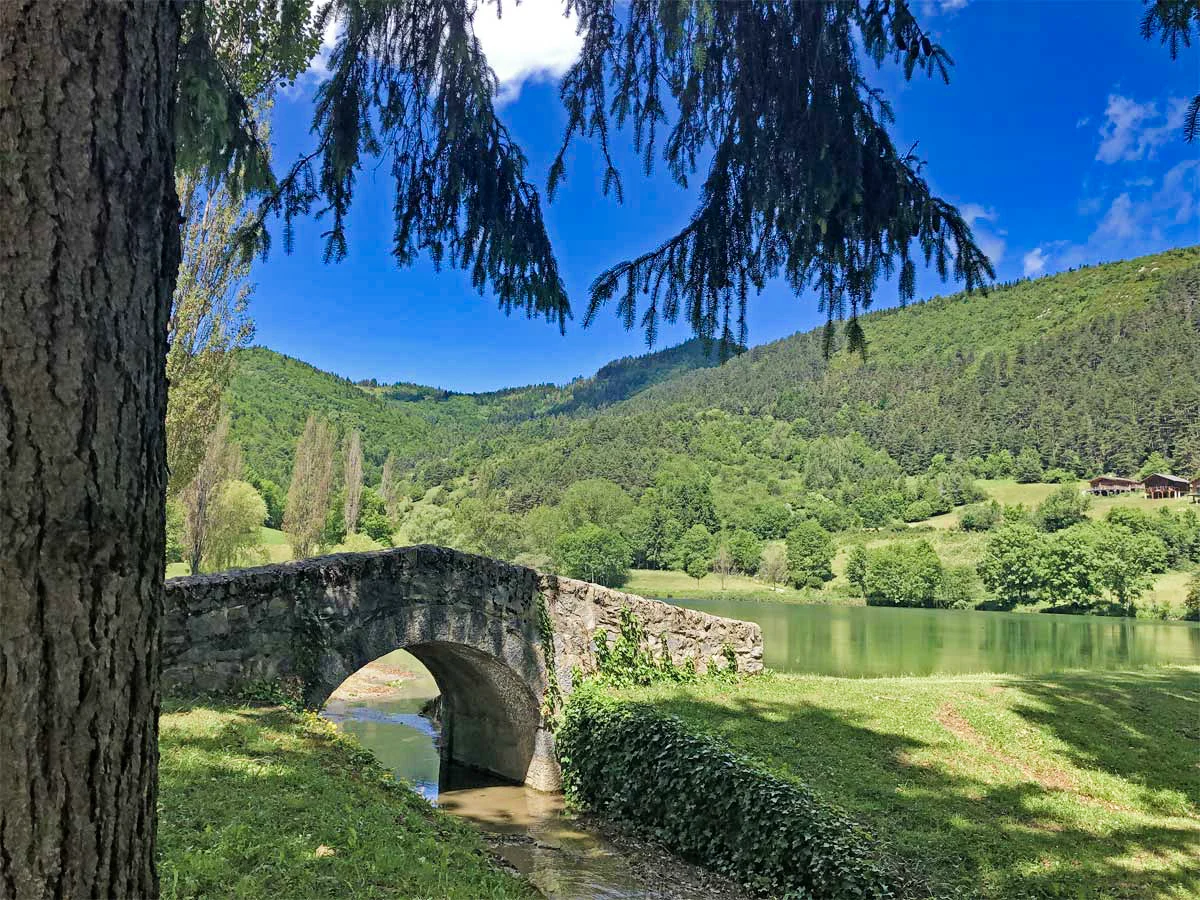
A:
(973, 831)
(1143, 727)
(257, 804)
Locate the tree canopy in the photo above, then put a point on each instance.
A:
(803, 180)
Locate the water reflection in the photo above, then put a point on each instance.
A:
(880, 641)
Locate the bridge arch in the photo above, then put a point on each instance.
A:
(489, 632)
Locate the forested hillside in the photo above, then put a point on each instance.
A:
(665, 455)
(272, 395)
(1095, 369)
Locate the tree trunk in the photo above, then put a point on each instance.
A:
(88, 252)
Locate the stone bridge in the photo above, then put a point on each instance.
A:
(495, 636)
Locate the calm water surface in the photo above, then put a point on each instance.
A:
(877, 641)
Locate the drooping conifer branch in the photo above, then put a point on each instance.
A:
(803, 180)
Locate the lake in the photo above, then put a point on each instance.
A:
(879, 641)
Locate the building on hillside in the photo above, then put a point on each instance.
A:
(1195, 492)
(1103, 485)
(1159, 486)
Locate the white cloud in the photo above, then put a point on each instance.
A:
(320, 64)
(1034, 262)
(1083, 121)
(1137, 221)
(532, 41)
(991, 241)
(1119, 222)
(1133, 130)
(933, 7)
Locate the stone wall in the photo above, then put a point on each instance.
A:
(474, 622)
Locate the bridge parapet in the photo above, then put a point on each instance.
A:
(475, 623)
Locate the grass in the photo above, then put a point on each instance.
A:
(668, 584)
(1079, 785)
(265, 803)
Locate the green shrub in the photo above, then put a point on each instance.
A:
(958, 588)
(907, 573)
(710, 805)
(595, 554)
(1065, 507)
(983, 517)
(810, 552)
(918, 511)
(1059, 476)
(1191, 603)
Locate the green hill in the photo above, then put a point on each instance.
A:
(1087, 371)
(272, 395)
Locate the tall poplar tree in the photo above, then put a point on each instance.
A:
(101, 101)
(310, 489)
(353, 478)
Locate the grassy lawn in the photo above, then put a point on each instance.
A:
(667, 584)
(1079, 785)
(261, 802)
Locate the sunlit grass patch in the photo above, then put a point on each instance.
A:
(1076, 785)
(262, 802)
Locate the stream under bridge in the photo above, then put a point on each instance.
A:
(500, 640)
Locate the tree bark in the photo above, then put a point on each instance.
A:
(88, 253)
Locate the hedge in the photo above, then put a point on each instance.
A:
(707, 804)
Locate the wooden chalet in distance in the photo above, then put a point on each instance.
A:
(1103, 485)
(1160, 487)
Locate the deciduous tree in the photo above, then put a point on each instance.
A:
(209, 321)
(310, 489)
(222, 461)
(353, 481)
(810, 552)
(235, 527)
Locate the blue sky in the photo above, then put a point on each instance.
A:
(1059, 136)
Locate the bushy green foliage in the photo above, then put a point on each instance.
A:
(1011, 567)
(745, 549)
(810, 552)
(595, 554)
(630, 659)
(958, 589)
(856, 568)
(235, 530)
(376, 526)
(1027, 468)
(1067, 506)
(1080, 566)
(1068, 569)
(1155, 463)
(594, 501)
(983, 517)
(174, 531)
(918, 511)
(274, 497)
(1191, 603)
(906, 573)
(709, 805)
(694, 552)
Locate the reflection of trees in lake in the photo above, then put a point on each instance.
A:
(880, 641)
